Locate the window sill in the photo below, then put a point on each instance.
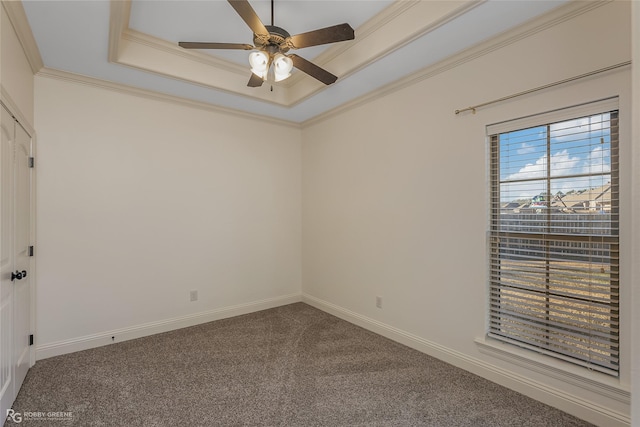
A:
(589, 380)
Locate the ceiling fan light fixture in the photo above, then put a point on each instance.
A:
(271, 44)
(282, 66)
(259, 63)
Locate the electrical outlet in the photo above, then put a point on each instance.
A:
(193, 296)
(379, 302)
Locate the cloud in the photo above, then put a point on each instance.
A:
(582, 155)
(598, 161)
(561, 163)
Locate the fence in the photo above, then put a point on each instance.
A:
(569, 236)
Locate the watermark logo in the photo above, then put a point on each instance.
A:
(14, 416)
(18, 417)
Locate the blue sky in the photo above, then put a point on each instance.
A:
(578, 147)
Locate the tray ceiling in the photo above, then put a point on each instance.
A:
(134, 43)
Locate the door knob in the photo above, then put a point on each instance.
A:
(16, 276)
(24, 273)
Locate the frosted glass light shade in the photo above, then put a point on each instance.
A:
(259, 63)
(282, 66)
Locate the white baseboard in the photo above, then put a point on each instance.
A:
(124, 334)
(575, 405)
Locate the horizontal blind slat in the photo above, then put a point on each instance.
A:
(553, 248)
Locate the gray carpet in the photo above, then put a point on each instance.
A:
(289, 366)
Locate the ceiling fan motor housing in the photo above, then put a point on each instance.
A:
(277, 38)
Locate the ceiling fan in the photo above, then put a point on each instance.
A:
(272, 44)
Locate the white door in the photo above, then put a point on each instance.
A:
(7, 379)
(22, 240)
(15, 149)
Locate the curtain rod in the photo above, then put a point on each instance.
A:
(570, 79)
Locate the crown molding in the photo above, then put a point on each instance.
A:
(156, 96)
(137, 50)
(165, 62)
(405, 17)
(401, 13)
(362, 32)
(119, 12)
(20, 23)
(392, 28)
(528, 29)
(193, 55)
(439, 13)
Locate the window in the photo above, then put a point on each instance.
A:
(554, 234)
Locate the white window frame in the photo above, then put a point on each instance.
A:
(578, 111)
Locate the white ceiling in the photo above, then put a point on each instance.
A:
(135, 43)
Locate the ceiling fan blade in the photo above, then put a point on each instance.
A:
(205, 45)
(337, 33)
(255, 81)
(249, 16)
(313, 70)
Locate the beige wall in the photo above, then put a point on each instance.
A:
(141, 201)
(16, 76)
(395, 201)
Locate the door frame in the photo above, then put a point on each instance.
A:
(10, 105)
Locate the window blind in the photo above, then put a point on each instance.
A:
(554, 250)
